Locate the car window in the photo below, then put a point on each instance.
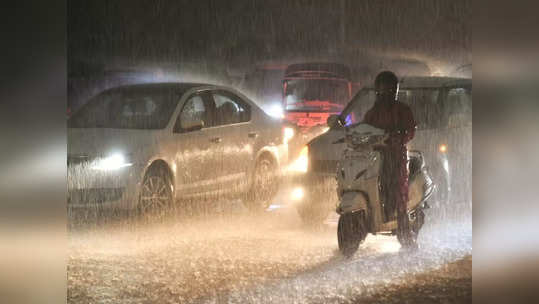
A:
(230, 109)
(458, 106)
(300, 93)
(126, 109)
(193, 111)
(425, 105)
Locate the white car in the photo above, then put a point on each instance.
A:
(442, 108)
(141, 147)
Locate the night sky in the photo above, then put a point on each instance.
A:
(241, 33)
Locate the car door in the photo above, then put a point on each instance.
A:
(458, 144)
(426, 106)
(199, 149)
(232, 119)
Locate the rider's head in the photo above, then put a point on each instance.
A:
(386, 86)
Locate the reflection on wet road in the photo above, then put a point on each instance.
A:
(234, 257)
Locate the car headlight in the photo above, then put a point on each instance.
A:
(297, 194)
(301, 164)
(276, 110)
(442, 148)
(112, 162)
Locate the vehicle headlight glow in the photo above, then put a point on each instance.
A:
(275, 110)
(113, 162)
(301, 164)
(443, 148)
(288, 134)
(297, 194)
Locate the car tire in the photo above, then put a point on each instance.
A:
(320, 201)
(156, 193)
(314, 212)
(264, 186)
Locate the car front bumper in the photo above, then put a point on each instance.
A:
(115, 189)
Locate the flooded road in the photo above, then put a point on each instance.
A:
(231, 256)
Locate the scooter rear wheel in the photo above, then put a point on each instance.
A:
(415, 226)
(351, 232)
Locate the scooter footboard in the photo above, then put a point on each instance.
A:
(352, 202)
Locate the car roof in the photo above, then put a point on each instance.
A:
(180, 87)
(431, 82)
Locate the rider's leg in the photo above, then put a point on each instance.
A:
(404, 231)
(390, 185)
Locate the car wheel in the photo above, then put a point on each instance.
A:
(156, 194)
(312, 215)
(320, 201)
(264, 187)
(314, 211)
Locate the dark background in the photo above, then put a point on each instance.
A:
(232, 35)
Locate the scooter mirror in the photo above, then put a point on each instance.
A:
(333, 121)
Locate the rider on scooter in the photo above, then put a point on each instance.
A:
(397, 120)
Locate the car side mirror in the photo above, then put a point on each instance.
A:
(192, 125)
(333, 121)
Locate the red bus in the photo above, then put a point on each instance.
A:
(314, 91)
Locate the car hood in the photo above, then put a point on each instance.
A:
(101, 141)
(323, 148)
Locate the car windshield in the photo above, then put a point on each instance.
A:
(127, 109)
(432, 107)
(316, 95)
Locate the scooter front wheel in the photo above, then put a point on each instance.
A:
(351, 232)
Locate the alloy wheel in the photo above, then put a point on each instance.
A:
(156, 194)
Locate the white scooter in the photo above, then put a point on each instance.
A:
(361, 206)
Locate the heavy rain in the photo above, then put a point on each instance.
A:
(204, 139)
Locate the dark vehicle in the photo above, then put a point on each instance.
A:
(264, 85)
(141, 147)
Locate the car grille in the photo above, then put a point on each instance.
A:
(94, 196)
(324, 166)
